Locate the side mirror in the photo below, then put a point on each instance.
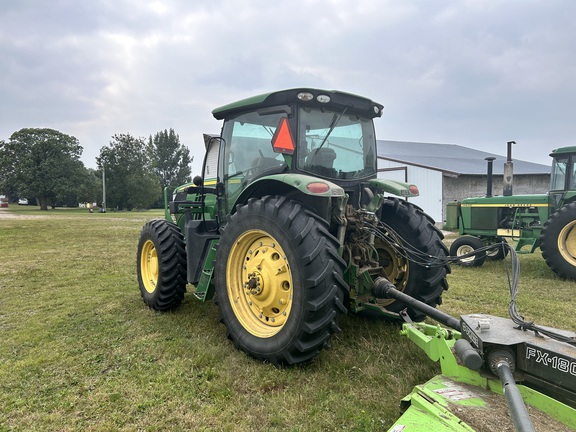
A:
(210, 168)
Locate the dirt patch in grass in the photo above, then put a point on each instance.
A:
(6, 214)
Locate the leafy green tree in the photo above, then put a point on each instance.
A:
(43, 163)
(90, 190)
(130, 179)
(170, 159)
(6, 184)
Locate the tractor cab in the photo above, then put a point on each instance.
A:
(317, 145)
(563, 176)
(313, 134)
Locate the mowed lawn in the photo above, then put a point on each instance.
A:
(80, 351)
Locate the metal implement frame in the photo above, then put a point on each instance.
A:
(428, 409)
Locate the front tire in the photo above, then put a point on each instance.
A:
(279, 282)
(499, 252)
(558, 241)
(465, 245)
(161, 265)
(408, 273)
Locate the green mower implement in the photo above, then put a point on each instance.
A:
(289, 226)
(496, 373)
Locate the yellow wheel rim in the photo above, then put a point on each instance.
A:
(567, 243)
(395, 266)
(259, 285)
(149, 266)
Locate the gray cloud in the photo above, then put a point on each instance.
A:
(475, 73)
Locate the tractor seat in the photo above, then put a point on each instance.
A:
(266, 166)
(321, 161)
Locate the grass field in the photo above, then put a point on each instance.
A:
(80, 351)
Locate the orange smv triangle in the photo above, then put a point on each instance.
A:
(282, 141)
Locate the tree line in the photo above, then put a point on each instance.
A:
(44, 165)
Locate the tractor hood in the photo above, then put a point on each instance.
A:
(534, 200)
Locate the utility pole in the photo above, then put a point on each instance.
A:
(103, 208)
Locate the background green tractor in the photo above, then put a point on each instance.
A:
(544, 221)
(288, 227)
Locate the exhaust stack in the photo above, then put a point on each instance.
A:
(489, 174)
(508, 171)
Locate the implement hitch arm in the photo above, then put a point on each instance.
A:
(384, 289)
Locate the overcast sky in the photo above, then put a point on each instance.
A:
(473, 73)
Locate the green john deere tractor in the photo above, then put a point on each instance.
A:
(544, 221)
(288, 227)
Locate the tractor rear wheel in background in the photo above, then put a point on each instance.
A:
(558, 241)
(279, 284)
(161, 265)
(467, 244)
(412, 276)
(498, 253)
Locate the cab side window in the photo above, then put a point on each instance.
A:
(248, 152)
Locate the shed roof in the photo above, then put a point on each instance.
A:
(451, 158)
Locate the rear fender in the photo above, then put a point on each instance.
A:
(291, 184)
(306, 184)
(317, 195)
(398, 188)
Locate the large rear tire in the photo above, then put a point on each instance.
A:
(558, 241)
(279, 282)
(410, 274)
(161, 265)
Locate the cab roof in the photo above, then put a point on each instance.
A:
(563, 150)
(332, 99)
